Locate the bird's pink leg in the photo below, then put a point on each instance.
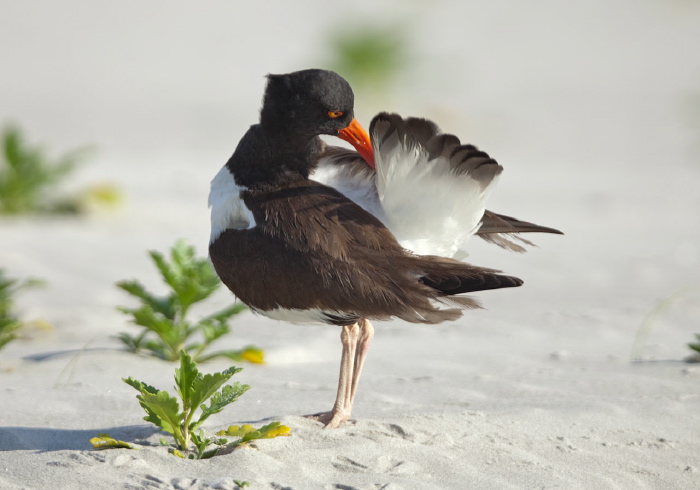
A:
(356, 339)
(342, 407)
(349, 336)
(365, 339)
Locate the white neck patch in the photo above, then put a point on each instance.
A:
(228, 211)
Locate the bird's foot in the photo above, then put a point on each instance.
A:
(332, 419)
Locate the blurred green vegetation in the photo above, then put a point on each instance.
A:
(30, 180)
(696, 346)
(369, 55)
(9, 322)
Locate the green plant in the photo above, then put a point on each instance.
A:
(369, 55)
(9, 323)
(696, 346)
(28, 178)
(194, 389)
(166, 328)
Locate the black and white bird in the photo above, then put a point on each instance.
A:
(297, 250)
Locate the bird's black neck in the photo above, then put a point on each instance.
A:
(265, 157)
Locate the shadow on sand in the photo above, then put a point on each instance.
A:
(46, 439)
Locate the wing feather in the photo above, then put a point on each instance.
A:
(432, 188)
(344, 258)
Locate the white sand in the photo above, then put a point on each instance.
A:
(588, 110)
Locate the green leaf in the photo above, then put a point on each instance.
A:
(191, 279)
(168, 274)
(212, 331)
(219, 400)
(196, 278)
(185, 378)
(201, 442)
(146, 317)
(161, 350)
(162, 409)
(133, 344)
(105, 441)
(140, 386)
(205, 386)
(163, 305)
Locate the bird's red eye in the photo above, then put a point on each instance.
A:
(334, 114)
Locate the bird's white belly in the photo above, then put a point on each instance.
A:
(311, 316)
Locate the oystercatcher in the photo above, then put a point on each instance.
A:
(424, 185)
(297, 250)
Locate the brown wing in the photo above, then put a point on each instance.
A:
(338, 258)
(310, 216)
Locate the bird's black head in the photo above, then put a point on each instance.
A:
(307, 103)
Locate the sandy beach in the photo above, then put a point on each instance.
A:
(593, 110)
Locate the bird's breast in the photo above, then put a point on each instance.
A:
(228, 210)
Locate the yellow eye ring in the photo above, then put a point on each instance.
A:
(334, 114)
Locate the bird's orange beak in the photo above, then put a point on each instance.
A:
(359, 139)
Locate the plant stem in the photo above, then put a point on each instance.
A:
(649, 321)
